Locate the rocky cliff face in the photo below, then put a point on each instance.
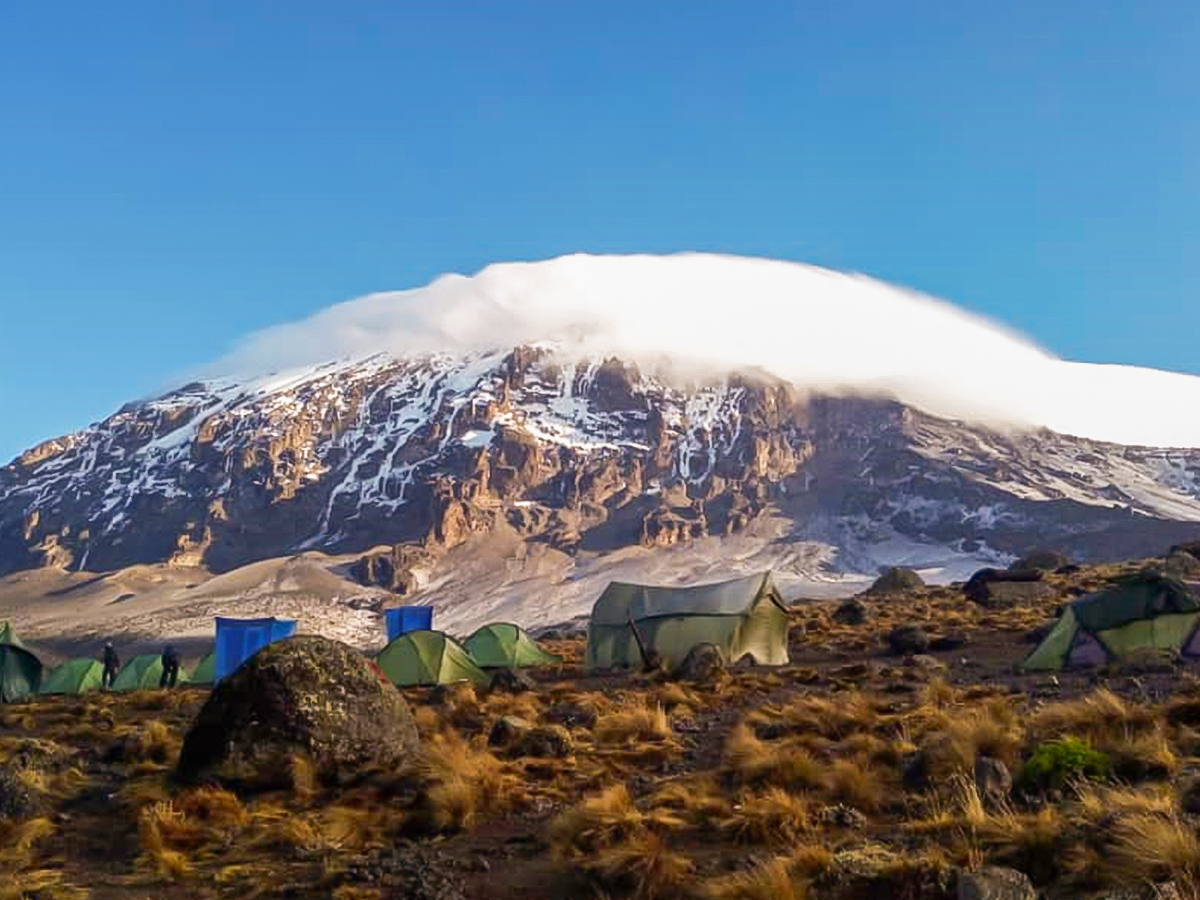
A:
(400, 460)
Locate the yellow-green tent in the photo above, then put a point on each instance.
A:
(1146, 611)
(75, 676)
(428, 657)
(20, 669)
(142, 673)
(205, 671)
(742, 617)
(504, 645)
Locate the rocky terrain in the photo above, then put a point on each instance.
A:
(387, 465)
(861, 769)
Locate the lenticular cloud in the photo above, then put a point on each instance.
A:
(825, 331)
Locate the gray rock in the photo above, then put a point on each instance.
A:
(508, 730)
(703, 663)
(571, 715)
(992, 780)
(544, 742)
(994, 883)
(927, 663)
(512, 681)
(896, 580)
(852, 612)
(842, 816)
(907, 640)
(16, 800)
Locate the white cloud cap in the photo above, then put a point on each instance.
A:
(822, 330)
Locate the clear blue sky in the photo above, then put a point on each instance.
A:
(176, 174)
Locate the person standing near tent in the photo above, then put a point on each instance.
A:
(170, 667)
(112, 665)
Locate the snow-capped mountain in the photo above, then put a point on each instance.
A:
(505, 444)
(399, 459)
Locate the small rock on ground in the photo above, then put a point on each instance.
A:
(994, 883)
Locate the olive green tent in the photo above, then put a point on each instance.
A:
(142, 673)
(20, 669)
(504, 645)
(428, 657)
(75, 676)
(743, 617)
(1146, 611)
(205, 671)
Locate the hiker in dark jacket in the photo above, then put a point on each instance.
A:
(112, 665)
(170, 667)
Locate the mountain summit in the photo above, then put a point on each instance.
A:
(476, 445)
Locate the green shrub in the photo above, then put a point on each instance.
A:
(1055, 763)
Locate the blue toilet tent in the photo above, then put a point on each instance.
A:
(240, 639)
(403, 619)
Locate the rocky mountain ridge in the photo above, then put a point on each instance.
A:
(401, 459)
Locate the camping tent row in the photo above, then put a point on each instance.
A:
(427, 657)
(744, 617)
(1146, 611)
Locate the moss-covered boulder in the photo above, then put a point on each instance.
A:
(896, 580)
(307, 697)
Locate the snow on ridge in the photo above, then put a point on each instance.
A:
(822, 330)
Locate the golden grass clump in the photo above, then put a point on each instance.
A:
(855, 785)
(1102, 718)
(771, 879)
(644, 869)
(460, 785)
(756, 763)
(637, 723)
(1148, 847)
(773, 817)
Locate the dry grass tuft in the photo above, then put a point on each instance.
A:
(775, 817)
(769, 880)
(855, 785)
(646, 869)
(640, 723)
(1146, 847)
(460, 785)
(757, 763)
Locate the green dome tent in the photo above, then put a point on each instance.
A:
(1146, 611)
(742, 617)
(20, 669)
(75, 676)
(142, 673)
(205, 671)
(504, 645)
(428, 657)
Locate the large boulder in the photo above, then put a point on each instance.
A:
(306, 696)
(1001, 587)
(896, 580)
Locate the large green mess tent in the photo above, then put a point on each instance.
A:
(504, 645)
(742, 617)
(1146, 611)
(74, 677)
(20, 669)
(143, 673)
(428, 657)
(205, 671)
